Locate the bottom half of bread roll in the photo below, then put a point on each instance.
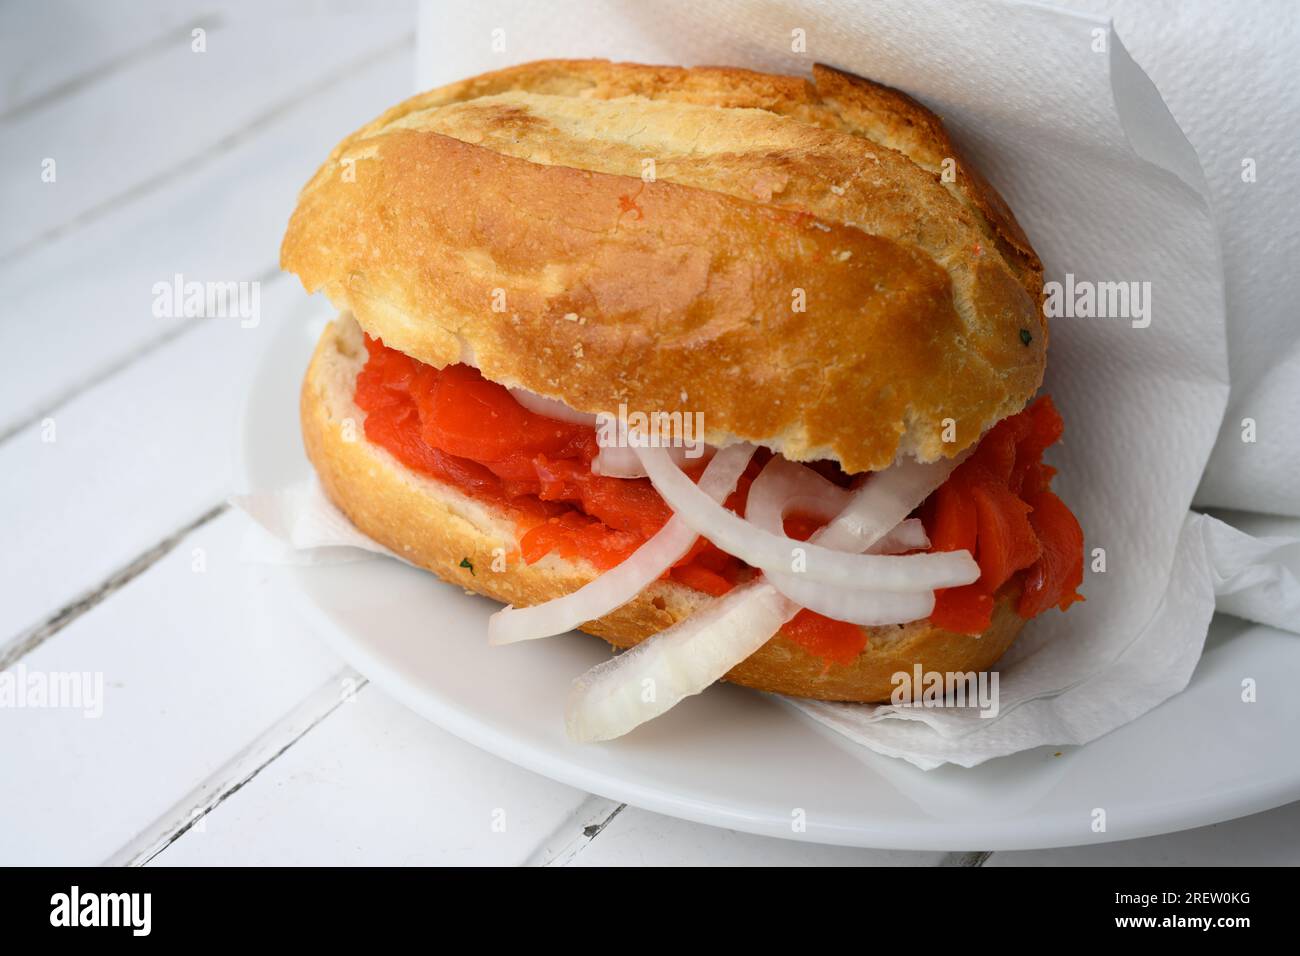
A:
(462, 540)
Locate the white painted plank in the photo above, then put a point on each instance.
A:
(82, 305)
(51, 48)
(160, 115)
(194, 665)
(1265, 839)
(132, 460)
(637, 837)
(374, 784)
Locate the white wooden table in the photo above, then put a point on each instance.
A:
(224, 737)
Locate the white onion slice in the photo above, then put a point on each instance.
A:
(621, 584)
(867, 608)
(551, 408)
(606, 702)
(773, 552)
(617, 462)
(884, 501)
(783, 487)
(644, 682)
(907, 535)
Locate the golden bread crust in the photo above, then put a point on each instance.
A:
(437, 527)
(522, 191)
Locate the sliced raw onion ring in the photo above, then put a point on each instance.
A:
(607, 701)
(785, 486)
(617, 462)
(867, 608)
(907, 535)
(773, 552)
(644, 682)
(624, 582)
(884, 501)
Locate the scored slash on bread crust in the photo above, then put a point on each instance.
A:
(679, 292)
(435, 526)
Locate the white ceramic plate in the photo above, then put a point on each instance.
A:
(744, 760)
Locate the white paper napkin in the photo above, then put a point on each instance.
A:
(1227, 71)
(1054, 112)
(300, 525)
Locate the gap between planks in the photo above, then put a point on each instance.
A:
(34, 637)
(576, 833)
(969, 859)
(191, 811)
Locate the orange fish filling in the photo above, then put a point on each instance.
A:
(457, 427)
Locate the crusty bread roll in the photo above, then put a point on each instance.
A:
(509, 220)
(436, 526)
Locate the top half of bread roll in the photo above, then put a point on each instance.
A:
(778, 254)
